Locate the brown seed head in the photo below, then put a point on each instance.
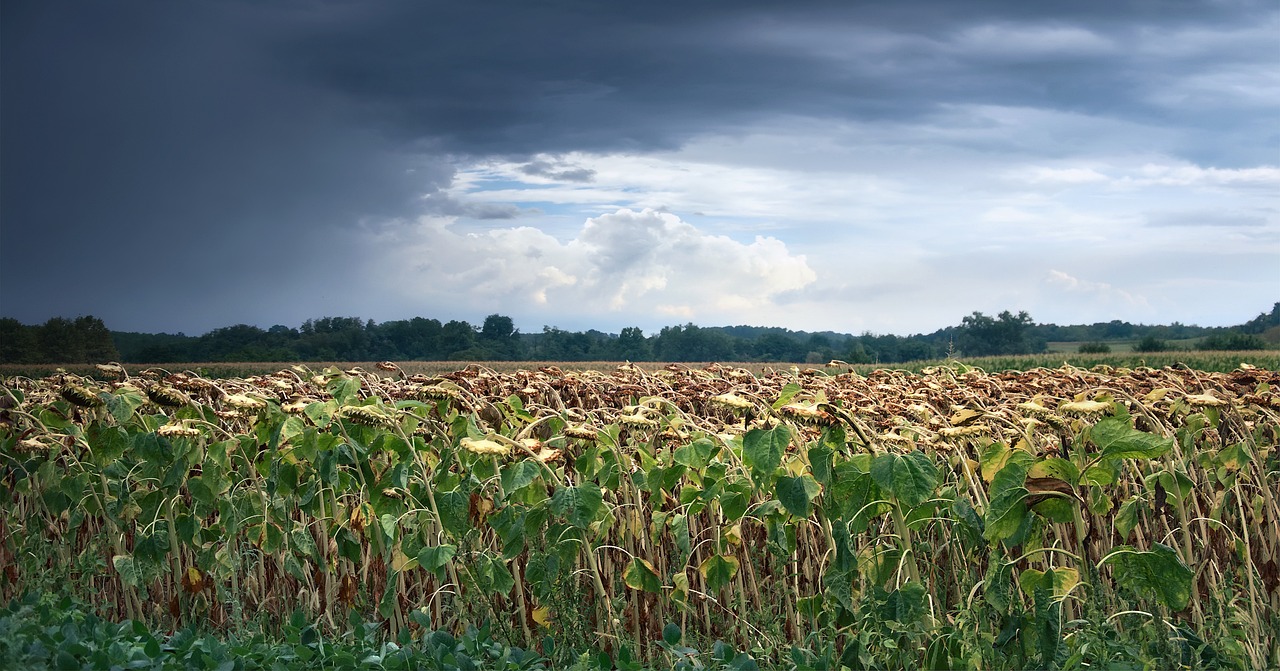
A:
(80, 395)
(167, 396)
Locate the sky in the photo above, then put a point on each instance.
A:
(846, 166)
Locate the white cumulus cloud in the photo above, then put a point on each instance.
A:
(640, 263)
(1100, 292)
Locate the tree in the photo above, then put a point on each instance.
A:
(914, 349)
(497, 327)
(17, 342)
(691, 343)
(1007, 334)
(1230, 340)
(632, 345)
(60, 342)
(1151, 344)
(1263, 321)
(775, 347)
(417, 338)
(818, 349)
(96, 337)
(500, 337)
(232, 343)
(456, 337)
(1117, 330)
(858, 353)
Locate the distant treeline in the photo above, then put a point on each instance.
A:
(87, 340)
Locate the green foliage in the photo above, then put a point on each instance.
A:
(59, 340)
(762, 450)
(909, 478)
(1158, 574)
(1232, 341)
(1117, 439)
(42, 633)
(1007, 333)
(1151, 344)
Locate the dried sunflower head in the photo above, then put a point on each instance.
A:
(296, 406)
(806, 414)
(895, 439)
(1205, 400)
(581, 432)
(31, 446)
(179, 430)
(1033, 408)
(485, 446)
(1084, 407)
(368, 415)
(732, 401)
(242, 402)
(638, 420)
(167, 396)
(437, 392)
(111, 370)
(80, 395)
(958, 431)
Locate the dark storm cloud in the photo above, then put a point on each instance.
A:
(154, 158)
(541, 168)
(512, 77)
(189, 165)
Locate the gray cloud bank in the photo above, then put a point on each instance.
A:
(177, 166)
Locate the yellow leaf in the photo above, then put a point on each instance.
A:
(733, 535)
(400, 562)
(680, 588)
(964, 417)
(542, 616)
(1064, 580)
(1157, 394)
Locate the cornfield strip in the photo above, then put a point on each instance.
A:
(952, 515)
(1209, 361)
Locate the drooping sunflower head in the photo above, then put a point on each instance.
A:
(78, 394)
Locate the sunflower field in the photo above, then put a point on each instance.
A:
(686, 517)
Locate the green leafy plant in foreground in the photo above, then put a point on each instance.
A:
(43, 633)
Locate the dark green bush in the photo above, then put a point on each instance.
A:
(1151, 344)
(1231, 340)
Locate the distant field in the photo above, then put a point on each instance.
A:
(1122, 346)
(1206, 361)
